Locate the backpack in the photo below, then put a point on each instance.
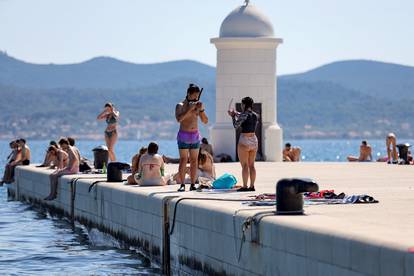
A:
(226, 181)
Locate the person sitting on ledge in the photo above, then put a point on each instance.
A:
(59, 156)
(291, 154)
(71, 141)
(206, 169)
(206, 146)
(22, 158)
(10, 159)
(151, 168)
(134, 166)
(72, 167)
(206, 165)
(365, 153)
(50, 158)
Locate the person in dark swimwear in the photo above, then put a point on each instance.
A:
(187, 113)
(111, 116)
(248, 144)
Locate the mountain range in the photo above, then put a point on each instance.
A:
(355, 98)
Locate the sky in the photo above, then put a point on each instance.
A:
(315, 32)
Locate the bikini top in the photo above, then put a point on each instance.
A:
(111, 119)
(246, 120)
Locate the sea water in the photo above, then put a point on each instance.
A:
(34, 242)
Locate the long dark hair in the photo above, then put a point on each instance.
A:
(248, 102)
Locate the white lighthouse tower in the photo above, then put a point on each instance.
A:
(246, 66)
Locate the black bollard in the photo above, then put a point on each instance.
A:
(289, 195)
(114, 173)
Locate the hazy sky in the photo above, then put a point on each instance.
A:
(315, 31)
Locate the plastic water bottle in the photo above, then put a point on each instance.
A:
(104, 168)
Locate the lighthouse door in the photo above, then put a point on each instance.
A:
(257, 107)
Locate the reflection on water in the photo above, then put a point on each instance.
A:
(33, 242)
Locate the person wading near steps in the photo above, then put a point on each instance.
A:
(72, 167)
(188, 137)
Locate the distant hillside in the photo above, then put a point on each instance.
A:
(325, 109)
(378, 79)
(98, 73)
(338, 100)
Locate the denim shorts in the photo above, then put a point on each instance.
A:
(182, 145)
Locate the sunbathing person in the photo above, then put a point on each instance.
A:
(135, 164)
(187, 113)
(206, 167)
(25, 153)
(22, 157)
(49, 158)
(72, 144)
(365, 153)
(291, 154)
(72, 167)
(59, 157)
(391, 143)
(206, 146)
(151, 168)
(11, 158)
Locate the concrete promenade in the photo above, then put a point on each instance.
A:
(358, 239)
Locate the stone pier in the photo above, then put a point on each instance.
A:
(207, 238)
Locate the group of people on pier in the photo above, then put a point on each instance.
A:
(196, 158)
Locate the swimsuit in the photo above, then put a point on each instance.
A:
(250, 142)
(188, 139)
(111, 120)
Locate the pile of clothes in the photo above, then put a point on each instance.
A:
(316, 198)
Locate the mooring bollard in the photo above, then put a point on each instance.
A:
(289, 195)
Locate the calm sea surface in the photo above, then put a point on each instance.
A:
(33, 242)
